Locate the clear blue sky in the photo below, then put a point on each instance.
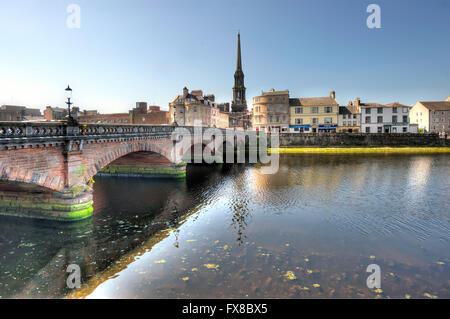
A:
(128, 51)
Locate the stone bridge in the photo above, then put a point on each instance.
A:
(47, 168)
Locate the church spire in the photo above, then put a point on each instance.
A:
(239, 103)
(239, 62)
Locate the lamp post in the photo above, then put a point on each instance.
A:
(69, 103)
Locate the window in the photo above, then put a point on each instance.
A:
(379, 110)
(367, 129)
(405, 110)
(284, 118)
(270, 119)
(354, 116)
(298, 121)
(195, 109)
(277, 99)
(315, 109)
(284, 108)
(277, 109)
(379, 129)
(367, 119)
(394, 110)
(344, 123)
(328, 109)
(315, 120)
(394, 130)
(394, 119)
(405, 130)
(328, 120)
(278, 119)
(405, 118)
(298, 110)
(344, 116)
(270, 108)
(379, 119)
(354, 123)
(368, 111)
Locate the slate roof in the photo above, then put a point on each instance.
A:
(437, 105)
(313, 101)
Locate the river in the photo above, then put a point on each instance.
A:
(229, 231)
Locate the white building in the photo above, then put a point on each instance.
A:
(385, 118)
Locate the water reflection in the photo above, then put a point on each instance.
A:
(229, 231)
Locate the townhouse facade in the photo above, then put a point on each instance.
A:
(349, 119)
(314, 115)
(271, 111)
(385, 118)
(432, 116)
(194, 108)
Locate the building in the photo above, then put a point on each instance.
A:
(93, 117)
(189, 109)
(431, 116)
(19, 113)
(240, 117)
(54, 113)
(349, 119)
(271, 111)
(138, 115)
(384, 118)
(224, 107)
(151, 115)
(314, 114)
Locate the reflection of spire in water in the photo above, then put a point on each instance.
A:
(239, 204)
(176, 233)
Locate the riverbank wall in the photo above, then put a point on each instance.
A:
(361, 140)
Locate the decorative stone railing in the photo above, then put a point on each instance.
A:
(24, 134)
(30, 129)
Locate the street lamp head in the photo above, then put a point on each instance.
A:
(68, 92)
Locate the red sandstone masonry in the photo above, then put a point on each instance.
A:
(45, 166)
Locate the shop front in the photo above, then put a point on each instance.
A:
(298, 128)
(327, 128)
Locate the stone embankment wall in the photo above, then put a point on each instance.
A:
(361, 140)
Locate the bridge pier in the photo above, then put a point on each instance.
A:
(20, 201)
(144, 164)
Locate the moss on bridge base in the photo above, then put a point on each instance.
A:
(159, 170)
(51, 206)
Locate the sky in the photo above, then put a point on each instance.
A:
(129, 51)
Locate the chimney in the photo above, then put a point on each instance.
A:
(185, 92)
(333, 94)
(357, 101)
(350, 103)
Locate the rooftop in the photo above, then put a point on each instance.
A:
(437, 105)
(313, 101)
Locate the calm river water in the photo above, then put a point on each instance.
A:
(310, 230)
